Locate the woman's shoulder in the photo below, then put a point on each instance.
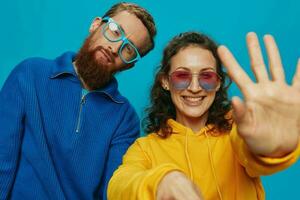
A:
(148, 137)
(148, 141)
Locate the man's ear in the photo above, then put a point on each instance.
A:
(127, 66)
(95, 24)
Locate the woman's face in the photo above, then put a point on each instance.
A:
(190, 99)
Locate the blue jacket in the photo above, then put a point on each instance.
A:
(56, 141)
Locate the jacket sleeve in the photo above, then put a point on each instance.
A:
(136, 178)
(126, 133)
(11, 123)
(259, 165)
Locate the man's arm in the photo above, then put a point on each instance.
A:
(127, 132)
(11, 129)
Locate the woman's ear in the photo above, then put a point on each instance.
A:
(218, 87)
(95, 24)
(165, 83)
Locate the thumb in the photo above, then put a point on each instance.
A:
(239, 109)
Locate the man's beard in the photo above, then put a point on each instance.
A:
(93, 72)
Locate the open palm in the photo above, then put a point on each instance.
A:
(268, 119)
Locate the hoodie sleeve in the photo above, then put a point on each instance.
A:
(136, 178)
(259, 165)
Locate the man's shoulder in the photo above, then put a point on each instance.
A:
(113, 92)
(34, 64)
(128, 108)
(40, 66)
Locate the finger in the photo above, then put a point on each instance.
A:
(191, 195)
(186, 192)
(275, 64)
(256, 58)
(239, 109)
(235, 71)
(296, 79)
(198, 192)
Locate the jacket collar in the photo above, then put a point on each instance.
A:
(64, 66)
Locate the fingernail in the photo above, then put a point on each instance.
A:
(251, 33)
(268, 35)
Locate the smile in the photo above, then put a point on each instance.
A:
(194, 101)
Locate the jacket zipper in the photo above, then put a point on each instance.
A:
(82, 101)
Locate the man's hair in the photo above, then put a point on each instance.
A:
(142, 14)
(161, 106)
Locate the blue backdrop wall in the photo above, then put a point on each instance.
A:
(49, 27)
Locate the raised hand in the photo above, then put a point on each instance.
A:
(176, 186)
(269, 117)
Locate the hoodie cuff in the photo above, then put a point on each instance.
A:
(157, 174)
(289, 158)
(260, 165)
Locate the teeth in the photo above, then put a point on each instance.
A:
(193, 99)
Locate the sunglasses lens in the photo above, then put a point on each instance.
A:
(180, 79)
(209, 81)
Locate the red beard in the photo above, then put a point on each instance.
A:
(94, 73)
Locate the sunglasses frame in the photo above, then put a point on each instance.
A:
(199, 80)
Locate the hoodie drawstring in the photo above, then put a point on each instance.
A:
(187, 156)
(212, 165)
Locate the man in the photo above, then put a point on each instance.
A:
(64, 124)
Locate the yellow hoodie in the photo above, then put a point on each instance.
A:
(221, 166)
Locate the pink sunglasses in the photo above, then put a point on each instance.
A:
(208, 80)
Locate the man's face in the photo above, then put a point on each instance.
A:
(98, 59)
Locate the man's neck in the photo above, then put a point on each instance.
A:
(81, 80)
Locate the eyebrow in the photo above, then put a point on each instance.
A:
(125, 34)
(188, 69)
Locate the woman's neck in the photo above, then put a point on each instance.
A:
(196, 124)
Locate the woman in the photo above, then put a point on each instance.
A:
(194, 144)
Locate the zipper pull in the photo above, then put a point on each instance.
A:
(82, 101)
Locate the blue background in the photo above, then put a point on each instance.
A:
(47, 28)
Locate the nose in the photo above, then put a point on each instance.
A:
(114, 47)
(194, 85)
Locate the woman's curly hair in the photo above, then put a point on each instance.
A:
(161, 106)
